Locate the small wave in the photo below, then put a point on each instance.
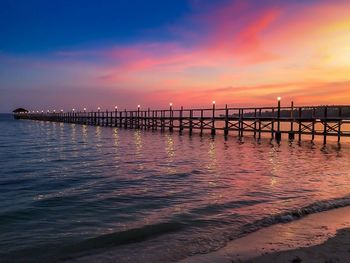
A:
(134, 235)
(92, 245)
(219, 208)
(319, 206)
(131, 235)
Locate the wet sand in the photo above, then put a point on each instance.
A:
(335, 249)
(320, 237)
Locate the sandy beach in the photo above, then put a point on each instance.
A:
(320, 237)
(335, 249)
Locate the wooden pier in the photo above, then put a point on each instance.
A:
(293, 122)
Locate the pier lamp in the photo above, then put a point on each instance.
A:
(214, 102)
(170, 104)
(279, 102)
(115, 114)
(54, 111)
(73, 110)
(98, 108)
(138, 106)
(62, 110)
(84, 109)
(37, 111)
(42, 111)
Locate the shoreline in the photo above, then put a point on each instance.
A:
(319, 237)
(334, 249)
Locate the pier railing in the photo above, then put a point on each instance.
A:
(294, 121)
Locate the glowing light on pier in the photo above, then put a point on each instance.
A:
(279, 98)
(84, 109)
(214, 102)
(73, 110)
(138, 106)
(62, 110)
(171, 104)
(98, 108)
(116, 107)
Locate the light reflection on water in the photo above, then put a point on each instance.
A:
(75, 182)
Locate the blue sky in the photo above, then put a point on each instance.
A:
(42, 25)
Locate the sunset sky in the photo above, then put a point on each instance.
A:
(77, 53)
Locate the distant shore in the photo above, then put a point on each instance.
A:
(320, 237)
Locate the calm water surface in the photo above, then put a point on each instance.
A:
(68, 190)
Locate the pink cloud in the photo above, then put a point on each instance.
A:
(228, 40)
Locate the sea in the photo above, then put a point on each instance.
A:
(77, 193)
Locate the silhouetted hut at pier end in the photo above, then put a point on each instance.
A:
(19, 111)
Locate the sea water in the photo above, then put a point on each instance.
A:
(81, 193)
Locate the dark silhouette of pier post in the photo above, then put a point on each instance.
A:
(291, 132)
(115, 116)
(191, 122)
(226, 122)
(138, 117)
(278, 134)
(171, 123)
(181, 120)
(313, 124)
(325, 126)
(339, 123)
(213, 130)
